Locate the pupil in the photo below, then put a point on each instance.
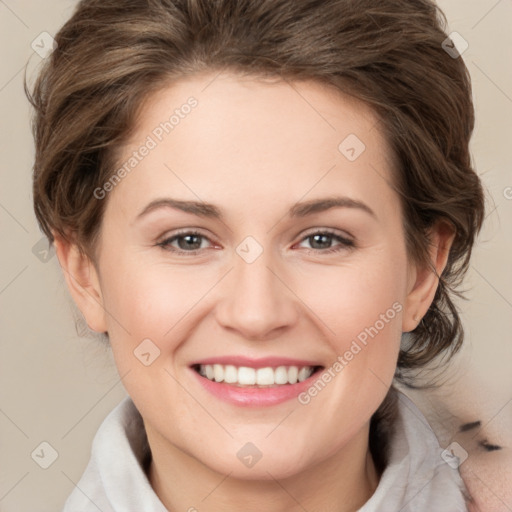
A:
(188, 245)
(315, 237)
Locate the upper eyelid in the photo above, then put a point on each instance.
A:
(313, 231)
(330, 231)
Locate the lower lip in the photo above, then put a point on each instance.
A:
(255, 397)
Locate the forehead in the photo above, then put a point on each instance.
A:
(257, 106)
(232, 137)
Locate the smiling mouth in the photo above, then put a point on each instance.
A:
(245, 376)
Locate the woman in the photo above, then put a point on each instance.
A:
(265, 207)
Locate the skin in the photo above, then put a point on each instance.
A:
(487, 470)
(254, 149)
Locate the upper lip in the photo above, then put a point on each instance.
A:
(262, 362)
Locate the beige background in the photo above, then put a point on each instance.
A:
(57, 387)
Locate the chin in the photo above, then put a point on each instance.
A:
(253, 464)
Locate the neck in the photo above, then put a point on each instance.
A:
(341, 483)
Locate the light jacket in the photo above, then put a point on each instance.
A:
(418, 477)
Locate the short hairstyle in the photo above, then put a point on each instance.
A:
(112, 55)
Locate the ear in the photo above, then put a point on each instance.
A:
(423, 281)
(82, 281)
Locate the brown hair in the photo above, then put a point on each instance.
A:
(112, 55)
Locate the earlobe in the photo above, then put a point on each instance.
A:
(423, 282)
(83, 282)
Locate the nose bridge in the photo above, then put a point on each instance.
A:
(253, 276)
(256, 301)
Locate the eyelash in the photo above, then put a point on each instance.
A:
(345, 243)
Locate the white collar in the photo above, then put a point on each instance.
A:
(416, 479)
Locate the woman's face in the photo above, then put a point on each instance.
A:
(262, 277)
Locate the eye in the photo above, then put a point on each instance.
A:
(322, 241)
(189, 242)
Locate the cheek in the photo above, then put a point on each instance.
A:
(350, 299)
(148, 307)
(148, 302)
(360, 308)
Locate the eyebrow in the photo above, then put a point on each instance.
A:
(302, 209)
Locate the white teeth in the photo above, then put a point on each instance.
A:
(230, 374)
(265, 376)
(218, 373)
(293, 372)
(281, 375)
(303, 374)
(246, 376)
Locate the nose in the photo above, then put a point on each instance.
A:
(257, 301)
